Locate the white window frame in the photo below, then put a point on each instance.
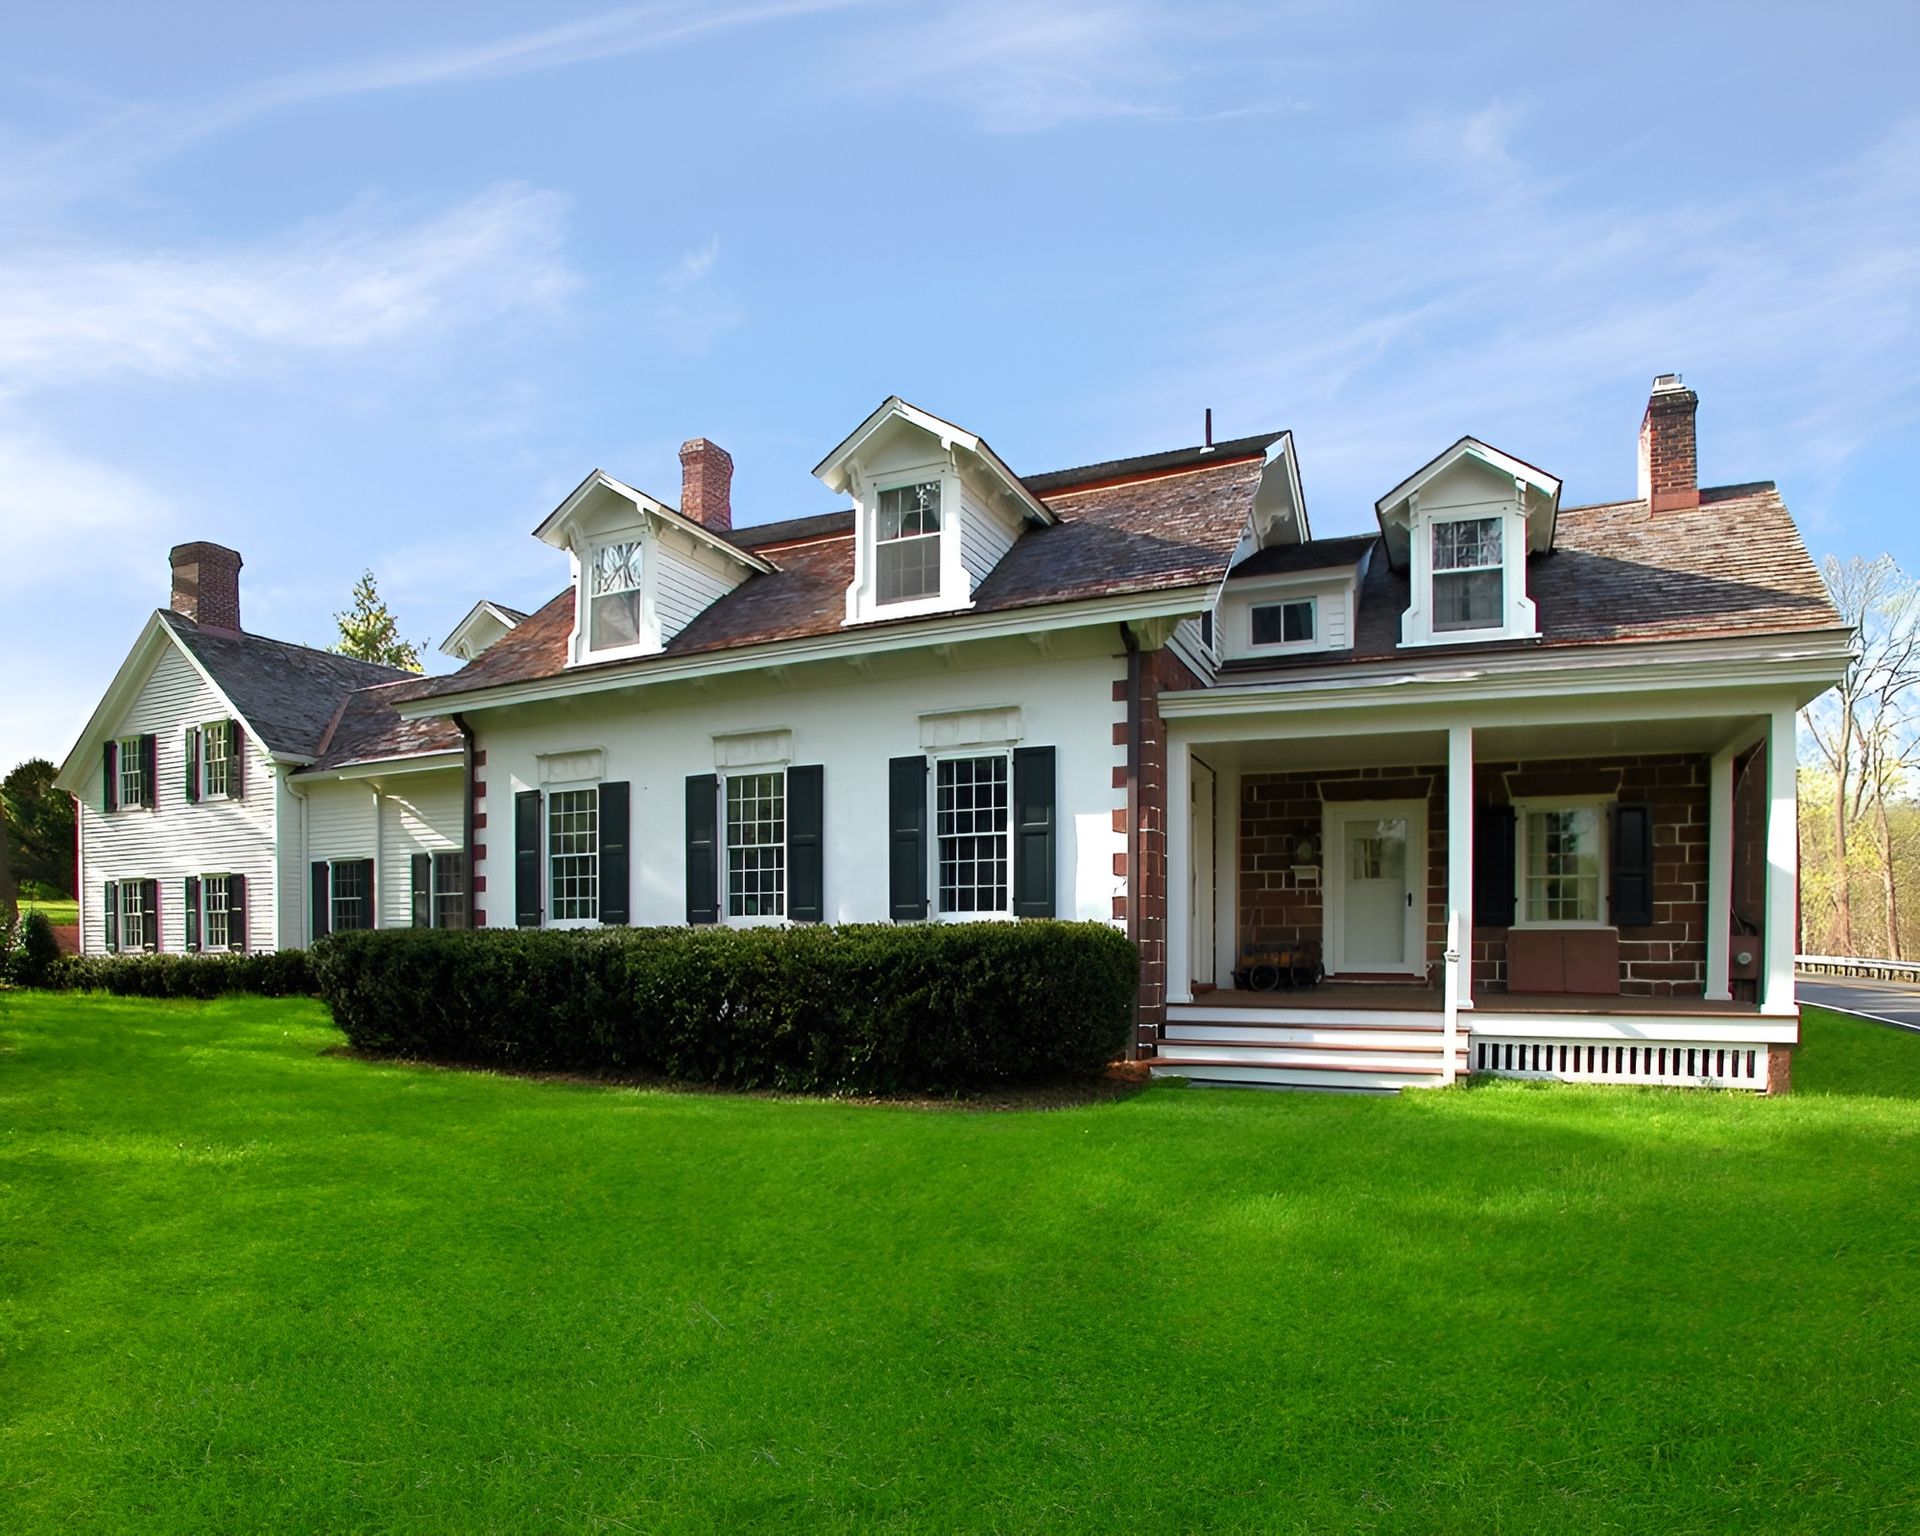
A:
(438, 894)
(889, 606)
(1308, 600)
(225, 730)
(207, 885)
(551, 885)
(1523, 810)
(1435, 575)
(935, 903)
(589, 570)
(365, 898)
(130, 757)
(132, 900)
(727, 914)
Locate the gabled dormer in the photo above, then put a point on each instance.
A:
(935, 509)
(1461, 527)
(641, 570)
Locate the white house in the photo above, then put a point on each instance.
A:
(1503, 786)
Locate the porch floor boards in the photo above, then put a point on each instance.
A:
(1335, 996)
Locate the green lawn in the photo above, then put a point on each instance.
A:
(245, 1285)
(59, 913)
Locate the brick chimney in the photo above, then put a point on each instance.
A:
(706, 483)
(1669, 464)
(206, 584)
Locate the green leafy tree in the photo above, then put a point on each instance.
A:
(369, 631)
(39, 821)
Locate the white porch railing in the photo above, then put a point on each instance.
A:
(1843, 965)
(1450, 1000)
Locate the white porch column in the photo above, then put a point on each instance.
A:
(1226, 876)
(1783, 863)
(1460, 850)
(1179, 870)
(1719, 875)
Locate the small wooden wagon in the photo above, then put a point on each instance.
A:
(1286, 965)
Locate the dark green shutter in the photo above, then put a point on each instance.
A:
(806, 839)
(1492, 866)
(149, 770)
(423, 890)
(151, 901)
(1033, 842)
(237, 913)
(321, 885)
(110, 776)
(237, 764)
(1632, 898)
(110, 929)
(616, 858)
(703, 868)
(192, 909)
(372, 907)
(191, 755)
(907, 839)
(526, 858)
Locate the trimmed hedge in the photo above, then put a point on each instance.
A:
(275, 973)
(818, 1009)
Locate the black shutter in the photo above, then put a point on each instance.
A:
(1632, 898)
(149, 771)
(192, 909)
(191, 754)
(423, 890)
(372, 907)
(1033, 832)
(237, 913)
(1492, 866)
(907, 838)
(616, 859)
(703, 868)
(322, 888)
(237, 764)
(151, 902)
(110, 929)
(526, 858)
(110, 776)
(806, 853)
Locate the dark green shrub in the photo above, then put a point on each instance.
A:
(274, 973)
(856, 1009)
(36, 951)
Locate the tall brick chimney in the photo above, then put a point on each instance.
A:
(206, 584)
(1669, 462)
(706, 483)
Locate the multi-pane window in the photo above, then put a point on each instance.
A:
(756, 845)
(450, 889)
(1469, 581)
(908, 546)
(1289, 623)
(350, 905)
(614, 619)
(971, 824)
(216, 912)
(133, 771)
(1563, 857)
(573, 854)
(134, 916)
(216, 759)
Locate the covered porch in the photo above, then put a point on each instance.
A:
(1401, 890)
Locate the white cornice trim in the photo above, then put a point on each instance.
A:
(385, 767)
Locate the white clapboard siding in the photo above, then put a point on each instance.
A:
(179, 838)
(986, 534)
(419, 813)
(684, 589)
(340, 819)
(291, 861)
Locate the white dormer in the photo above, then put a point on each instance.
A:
(935, 509)
(485, 623)
(1462, 527)
(641, 571)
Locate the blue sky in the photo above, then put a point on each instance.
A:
(364, 285)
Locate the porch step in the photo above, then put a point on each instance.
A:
(1358, 1076)
(1335, 1033)
(1380, 1049)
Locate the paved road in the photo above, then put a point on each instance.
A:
(1887, 1002)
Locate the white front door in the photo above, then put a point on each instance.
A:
(1376, 890)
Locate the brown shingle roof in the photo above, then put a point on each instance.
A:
(1173, 530)
(365, 728)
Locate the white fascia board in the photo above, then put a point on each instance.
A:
(1486, 453)
(1280, 581)
(1798, 668)
(831, 471)
(482, 609)
(384, 767)
(553, 530)
(1173, 603)
(1283, 457)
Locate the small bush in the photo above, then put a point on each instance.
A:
(274, 973)
(36, 952)
(856, 1009)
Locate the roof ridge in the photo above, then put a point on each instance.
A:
(170, 615)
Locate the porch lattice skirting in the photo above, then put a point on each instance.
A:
(1670, 1064)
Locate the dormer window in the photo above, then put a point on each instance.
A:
(615, 620)
(1288, 623)
(1469, 589)
(908, 542)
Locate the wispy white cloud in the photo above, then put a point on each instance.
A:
(63, 514)
(685, 308)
